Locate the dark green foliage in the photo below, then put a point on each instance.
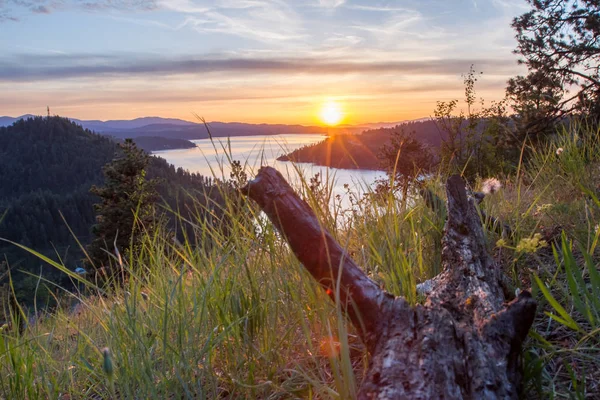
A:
(41, 153)
(142, 192)
(48, 166)
(189, 201)
(559, 43)
(126, 207)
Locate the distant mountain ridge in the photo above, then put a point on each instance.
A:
(7, 121)
(180, 129)
(110, 125)
(118, 125)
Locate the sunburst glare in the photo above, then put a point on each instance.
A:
(331, 113)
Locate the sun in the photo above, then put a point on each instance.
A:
(331, 113)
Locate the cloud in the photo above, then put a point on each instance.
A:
(511, 5)
(183, 6)
(254, 28)
(41, 10)
(25, 68)
(4, 16)
(197, 92)
(266, 21)
(14, 9)
(377, 8)
(331, 3)
(97, 5)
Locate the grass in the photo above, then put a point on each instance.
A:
(242, 319)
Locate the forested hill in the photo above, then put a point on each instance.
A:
(362, 151)
(156, 143)
(50, 154)
(48, 166)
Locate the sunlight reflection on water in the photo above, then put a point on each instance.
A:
(256, 151)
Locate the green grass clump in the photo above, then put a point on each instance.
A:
(238, 317)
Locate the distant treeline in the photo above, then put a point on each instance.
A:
(157, 143)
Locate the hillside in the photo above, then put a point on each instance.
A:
(48, 166)
(243, 320)
(362, 151)
(156, 143)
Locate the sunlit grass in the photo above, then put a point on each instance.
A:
(236, 315)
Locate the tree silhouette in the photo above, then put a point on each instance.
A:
(404, 159)
(559, 41)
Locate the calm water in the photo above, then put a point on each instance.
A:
(257, 151)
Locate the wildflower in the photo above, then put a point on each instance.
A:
(531, 245)
(544, 208)
(559, 151)
(501, 243)
(491, 185)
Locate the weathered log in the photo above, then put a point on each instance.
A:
(436, 204)
(464, 342)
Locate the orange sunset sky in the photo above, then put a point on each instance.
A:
(251, 60)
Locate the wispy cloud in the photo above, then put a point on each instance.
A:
(511, 5)
(262, 20)
(41, 9)
(16, 9)
(376, 8)
(184, 6)
(331, 3)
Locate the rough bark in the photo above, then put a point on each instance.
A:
(464, 342)
(437, 205)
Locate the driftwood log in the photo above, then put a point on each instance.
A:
(463, 343)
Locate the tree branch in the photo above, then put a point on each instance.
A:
(596, 82)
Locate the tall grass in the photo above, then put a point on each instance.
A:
(236, 316)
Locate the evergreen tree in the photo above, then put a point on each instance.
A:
(559, 42)
(126, 209)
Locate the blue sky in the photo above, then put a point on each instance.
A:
(250, 60)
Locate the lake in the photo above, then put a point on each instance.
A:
(210, 159)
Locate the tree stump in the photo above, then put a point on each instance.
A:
(463, 343)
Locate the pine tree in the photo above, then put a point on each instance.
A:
(558, 41)
(127, 208)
